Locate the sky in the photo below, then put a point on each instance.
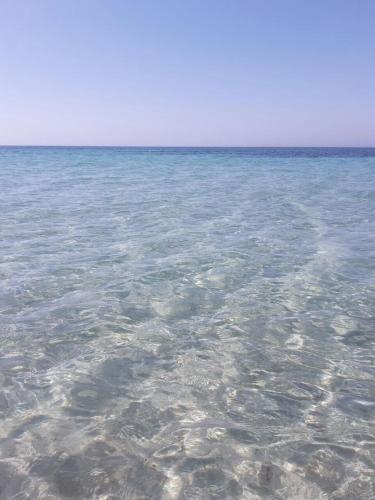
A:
(187, 72)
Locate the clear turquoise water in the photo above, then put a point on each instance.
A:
(187, 323)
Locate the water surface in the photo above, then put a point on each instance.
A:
(187, 323)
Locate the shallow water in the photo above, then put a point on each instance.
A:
(187, 323)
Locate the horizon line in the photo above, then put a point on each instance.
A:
(171, 147)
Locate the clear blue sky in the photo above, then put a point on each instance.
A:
(187, 72)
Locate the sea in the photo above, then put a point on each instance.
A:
(187, 323)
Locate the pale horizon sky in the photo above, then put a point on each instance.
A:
(187, 73)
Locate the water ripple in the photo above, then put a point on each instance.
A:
(187, 324)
